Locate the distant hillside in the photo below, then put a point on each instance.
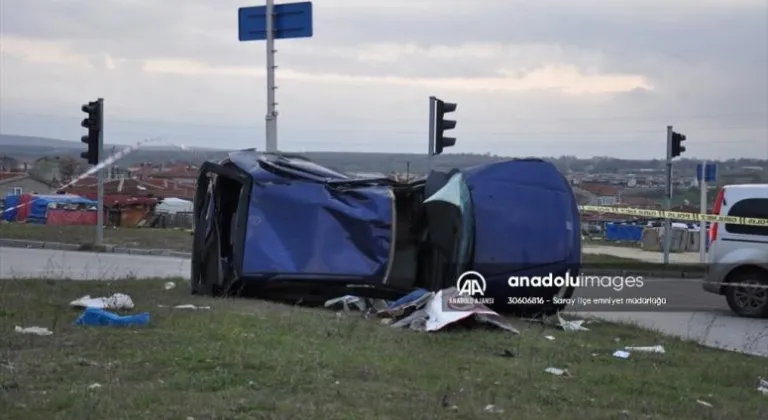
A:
(24, 147)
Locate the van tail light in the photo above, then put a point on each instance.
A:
(716, 210)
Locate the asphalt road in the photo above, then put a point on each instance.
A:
(677, 307)
(686, 312)
(54, 264)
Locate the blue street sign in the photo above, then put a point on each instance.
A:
(710, 172)
(291, 20)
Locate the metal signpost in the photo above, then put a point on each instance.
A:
(94, 122)
(431, 142)
(268, 23)
(705, 173)
(668, 200)
(100, 181)
(674, 149)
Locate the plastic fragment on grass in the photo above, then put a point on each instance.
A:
(190, 306)
(762, 386)
(621, 354)
(41, 331)
(704, 403)
(169, 285)
(100, 317)
(647, 349)
(490, 408)
(117, 301)
(573, 325)
(557, 371)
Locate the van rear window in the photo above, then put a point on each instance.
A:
(751, 207)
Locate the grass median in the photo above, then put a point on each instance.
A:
(177, 240)
(246, 359)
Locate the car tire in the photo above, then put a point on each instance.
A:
(745, 301)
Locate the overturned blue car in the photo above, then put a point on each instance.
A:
(285, 227)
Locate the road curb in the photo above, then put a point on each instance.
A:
(104, 249)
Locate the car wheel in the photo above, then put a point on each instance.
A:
(748, 297)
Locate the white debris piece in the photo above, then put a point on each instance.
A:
(549, 337)
(190, 306)
(647, 349)
(557, 372)
(116, 301)
(33, 330)
(762, 386)
(490, 408)
(621, 354)
(575, 325)
(704, 403)
(94, 385)
(169, 285)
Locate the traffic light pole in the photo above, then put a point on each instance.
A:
(431, 150)
(271, 117)
(668, 200)
(100, 181)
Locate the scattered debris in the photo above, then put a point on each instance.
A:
(490, 408)
(621, 354)
(549, 337)
(42, 331)
(557, 372)
(704, 403)
(434, 312)
(191, 306)
(573, 325)
(100, 317)
(94, 385)
(647, 349)
(118, 301)
(762, 386)
(169, 285)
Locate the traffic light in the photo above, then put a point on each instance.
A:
(677, 144)
(442, 125)
(93, 122)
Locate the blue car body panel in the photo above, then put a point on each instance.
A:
(526, 221)
(302, 227)
(519, 217)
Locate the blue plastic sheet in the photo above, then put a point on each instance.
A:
(11, 201)
(615, 232)
(100, 317)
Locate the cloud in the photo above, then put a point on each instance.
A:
(559, 72)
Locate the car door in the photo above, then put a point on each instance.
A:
(450, 226)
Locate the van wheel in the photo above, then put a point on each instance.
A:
(750, 298)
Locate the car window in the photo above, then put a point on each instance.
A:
(750, 207)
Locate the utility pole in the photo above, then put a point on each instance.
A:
(271, 117)
(668, 200)
(703, 211)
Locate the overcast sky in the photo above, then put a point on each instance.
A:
(544, 78)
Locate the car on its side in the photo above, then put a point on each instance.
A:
(737, 257)
(285, 225)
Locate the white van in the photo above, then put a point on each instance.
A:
(737, 257)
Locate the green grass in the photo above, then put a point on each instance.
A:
(177, 240)
(249, 359)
